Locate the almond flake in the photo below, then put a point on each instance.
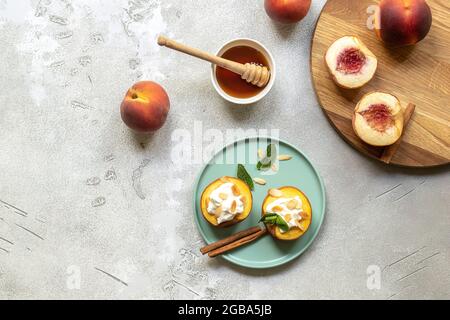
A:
(235, 190)
(288, 217)
(304, 215)
(260, 154)
(260, 181)
(218, 211)
(276, 193)
(244, 200)
(223, 196)
(233, 206)
(300, 226)
(277, 209)
(284, 157)
(292, 204)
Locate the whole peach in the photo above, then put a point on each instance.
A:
(145, 107)
(287, 11)
(403, 22)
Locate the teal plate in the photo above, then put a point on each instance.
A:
(298, 172)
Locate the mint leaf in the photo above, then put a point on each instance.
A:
(269, 217)
(271, 156)
(271, 149)
(264, 164)
(259, 165)
(245, 176)
(275, 219)
(282, 224)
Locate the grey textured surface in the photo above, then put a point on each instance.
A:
(80, 194)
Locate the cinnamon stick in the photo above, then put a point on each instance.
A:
(390, 151)
(229, 239)
(237, 243)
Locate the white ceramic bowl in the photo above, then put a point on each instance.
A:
(258, 46)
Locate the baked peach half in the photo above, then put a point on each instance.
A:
(350, 62)
(226, 202)
(378, 119)
(292, 208)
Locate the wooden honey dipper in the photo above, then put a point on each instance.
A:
(252, 73)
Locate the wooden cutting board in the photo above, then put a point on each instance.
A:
(418, 74)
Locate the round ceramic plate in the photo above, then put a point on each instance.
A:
(298, 172)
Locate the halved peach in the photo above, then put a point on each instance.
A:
(350, 62)
(378, 119)
(305, 222)
(241, 188)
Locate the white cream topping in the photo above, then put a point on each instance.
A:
(221, 203)
(281, 207)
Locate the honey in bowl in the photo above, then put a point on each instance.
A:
(231, 82)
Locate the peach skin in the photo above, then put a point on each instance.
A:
(287, 11)
(403, 22)
(145, 107)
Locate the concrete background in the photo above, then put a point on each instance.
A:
(82, 198)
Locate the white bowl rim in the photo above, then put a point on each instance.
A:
(268, 87)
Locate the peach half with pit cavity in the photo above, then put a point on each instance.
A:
(378, 119)
(350, 62)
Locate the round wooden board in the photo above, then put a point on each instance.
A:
(417, 74)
